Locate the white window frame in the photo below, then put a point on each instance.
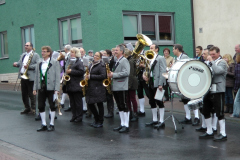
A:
(156, 14)
(2, 2)
(30, 36)
(3, 54)
(68, 18)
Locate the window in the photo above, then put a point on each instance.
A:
(158, 27)
(28, 35)
(70, 31)
(3, 45)
(2, 2)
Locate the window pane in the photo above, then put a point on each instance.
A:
(65, 32)
(130, 29)
(5, 45)
(76, 31)
(26, 35)
(148, 26)
(33, 37)
(165, 27)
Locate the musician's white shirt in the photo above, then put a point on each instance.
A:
(44, 66)
(25, 61)
(179, 57)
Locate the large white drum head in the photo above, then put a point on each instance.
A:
(194, 79)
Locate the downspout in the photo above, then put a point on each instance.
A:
(193, 28)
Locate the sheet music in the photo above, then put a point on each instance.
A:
(159, 95)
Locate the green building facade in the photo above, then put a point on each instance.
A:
(91, 24)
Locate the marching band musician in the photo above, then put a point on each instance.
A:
(214, 100)
(203, 128)
(74, 90)
(156, 81)
(121, 71)
(178, 51)
(96, 92)
(67, 49)
(110, 102)
(132, 83)
(27, 84)
(46, 82)
(141, 86)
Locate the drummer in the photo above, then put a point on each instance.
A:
(178, 51)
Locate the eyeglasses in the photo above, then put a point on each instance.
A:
(45, 51)
(96, 55)
(27, 45)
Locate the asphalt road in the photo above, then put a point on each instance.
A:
(19, 139)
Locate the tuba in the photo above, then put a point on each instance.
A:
(25, 76)
(142, 42)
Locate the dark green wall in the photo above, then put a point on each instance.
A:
(102, 29)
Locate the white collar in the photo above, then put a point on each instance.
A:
(47, 61)
(27, 53)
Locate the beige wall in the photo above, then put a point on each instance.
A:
(220, 23)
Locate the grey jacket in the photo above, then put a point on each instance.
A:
(159, 69)
(184, 56)
(219, 75)
(120, 76)
(31, 68)
(53, 76)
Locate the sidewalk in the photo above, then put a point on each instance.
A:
(177, 106)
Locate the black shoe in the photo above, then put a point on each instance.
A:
(26, 111)
(196, 122)
(214, 131)
(186, 121)
(117, 112)
(135, 117)
(51, 128)
(206, 136)
(220, 137)
(141, 114)
(93, 124)
(68, 110)
(109, 116)
(124, 130)
(98, 125)
(84, 111)
(78, 120)
(88, 115)
(151, 123)
(73, 119)
(118, 128)
(159, 125)
(43, 128)
(201, 129)
(38, 118)
(62, 105)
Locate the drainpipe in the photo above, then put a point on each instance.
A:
(193, 28)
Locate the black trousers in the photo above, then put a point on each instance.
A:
(214, 103)
(167, 88)
(98, 114)
(43, 94)
(76, 104)
(152, 101)
(110, 103)
(142, 85)
(27, 92)
(121, 99)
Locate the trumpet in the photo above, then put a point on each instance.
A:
(84, 82)
(107, 82)
(25, 76)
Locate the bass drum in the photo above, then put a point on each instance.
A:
(190, 77)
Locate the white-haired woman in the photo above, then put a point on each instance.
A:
(76, 72)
